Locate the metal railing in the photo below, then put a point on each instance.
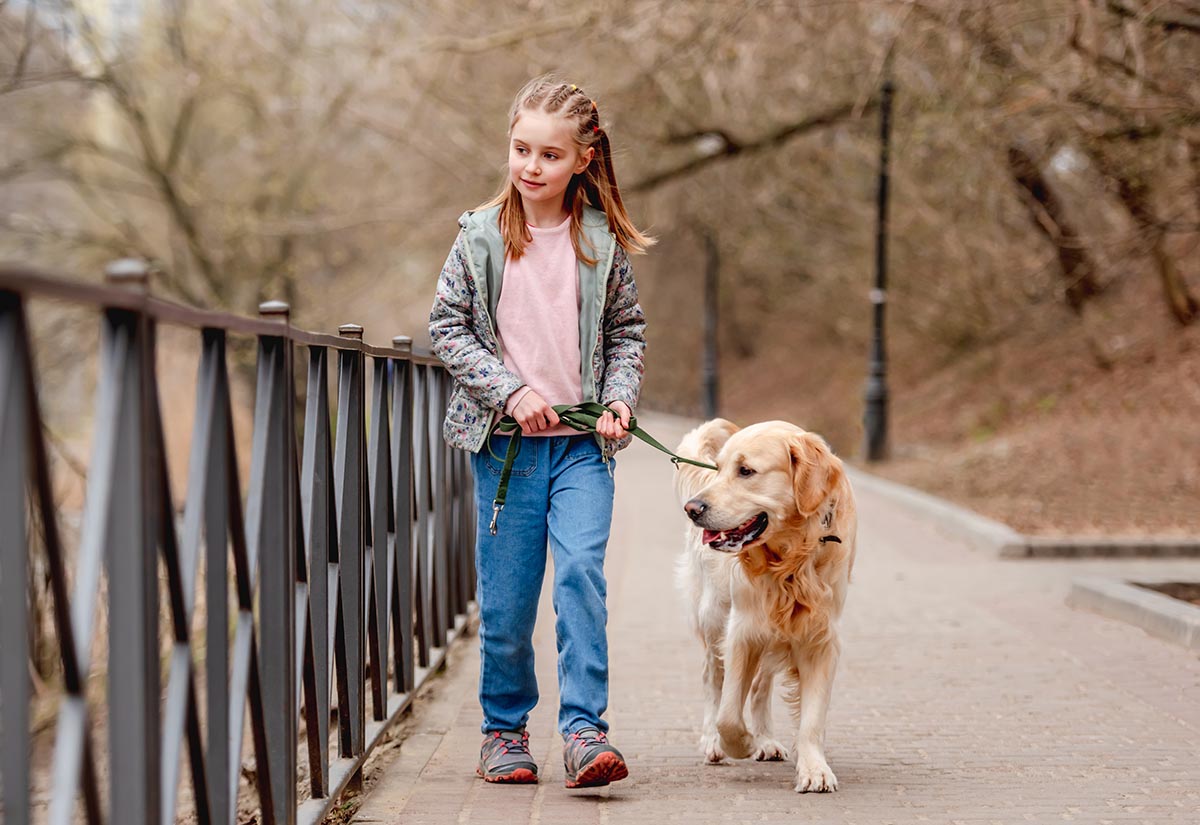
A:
(350, 563)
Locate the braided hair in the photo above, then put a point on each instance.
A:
(595, 186)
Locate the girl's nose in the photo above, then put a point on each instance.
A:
(532, 167)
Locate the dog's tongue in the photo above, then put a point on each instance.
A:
(712, 535)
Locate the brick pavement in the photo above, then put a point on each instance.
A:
(968, 692)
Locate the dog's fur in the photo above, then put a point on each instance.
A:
(770, 606)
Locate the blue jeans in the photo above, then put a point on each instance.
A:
(561, 492)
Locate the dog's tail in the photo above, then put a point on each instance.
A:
(701, 444)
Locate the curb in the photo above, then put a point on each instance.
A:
(980, 532)
(1159, 615)
(1166, 547)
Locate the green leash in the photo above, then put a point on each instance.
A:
(581, 417)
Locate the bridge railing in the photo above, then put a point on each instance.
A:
(329, 594)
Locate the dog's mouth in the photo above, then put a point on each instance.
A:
(733, 540)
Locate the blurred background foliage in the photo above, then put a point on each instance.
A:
(1045, 213)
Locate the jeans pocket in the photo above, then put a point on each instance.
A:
(525, 463)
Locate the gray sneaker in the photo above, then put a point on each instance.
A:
(590, 761)
(504, 757)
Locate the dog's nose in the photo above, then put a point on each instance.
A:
(695, 508)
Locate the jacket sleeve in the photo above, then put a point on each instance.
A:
(455, 340)
(624, 335)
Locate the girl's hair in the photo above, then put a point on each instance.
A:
(596, 185)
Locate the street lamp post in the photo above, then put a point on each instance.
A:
(709, 367)
(875, 422)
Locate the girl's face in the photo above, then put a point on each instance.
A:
(542, 158)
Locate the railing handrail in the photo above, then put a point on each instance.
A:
(35, 283)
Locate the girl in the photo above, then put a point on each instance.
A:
(536, 306)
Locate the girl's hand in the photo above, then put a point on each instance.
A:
(534, 414)
(611, 427)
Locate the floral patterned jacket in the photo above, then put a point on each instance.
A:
(463, 332)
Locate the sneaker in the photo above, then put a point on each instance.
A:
(590, 761)
(504, 757)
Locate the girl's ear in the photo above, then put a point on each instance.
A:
(585, 158)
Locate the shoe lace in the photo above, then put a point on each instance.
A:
(512, 744)
(590, 736)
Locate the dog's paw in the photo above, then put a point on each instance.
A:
(710, 746)
(768, 750)
(814, 776)
(736, 741)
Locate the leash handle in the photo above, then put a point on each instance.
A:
(581, 417)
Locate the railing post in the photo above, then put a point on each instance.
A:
(468, 527)
(380, 560)
(214, 482)
(422, 580)
(440, 503)
(320, 540)
(270, 521)
(402, 487)
(14, 562)
(462, 519)
(128, 533)
(350, 478)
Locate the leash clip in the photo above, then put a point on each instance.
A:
(496, 508)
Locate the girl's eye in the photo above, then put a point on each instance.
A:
(745, 471)
(551, 156)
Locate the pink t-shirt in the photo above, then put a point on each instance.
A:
(537, 319)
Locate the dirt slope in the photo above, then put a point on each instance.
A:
(1067, 425)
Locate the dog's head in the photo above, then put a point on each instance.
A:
(771, 478)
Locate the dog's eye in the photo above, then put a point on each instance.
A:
(745, 471)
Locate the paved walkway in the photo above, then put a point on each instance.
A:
(968, 692)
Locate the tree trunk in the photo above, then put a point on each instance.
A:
(1135, 195)
(1049, 217)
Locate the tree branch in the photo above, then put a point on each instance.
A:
(26, 47)
(510, 37)
(1136, 194)
(730, 147)
(1050, 218)
(179, 134)
(154, 168)
(1103, 61)
(1000, 56)
(23, 166)
(1165, 19)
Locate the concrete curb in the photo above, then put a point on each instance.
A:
(1165, 547)
(1158, 614)
(980, 532)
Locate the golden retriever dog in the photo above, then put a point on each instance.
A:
(765, 571)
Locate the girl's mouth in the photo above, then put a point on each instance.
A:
(532, 184)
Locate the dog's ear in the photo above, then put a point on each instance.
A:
(816, 471)
(710, 437)
(716, 433)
